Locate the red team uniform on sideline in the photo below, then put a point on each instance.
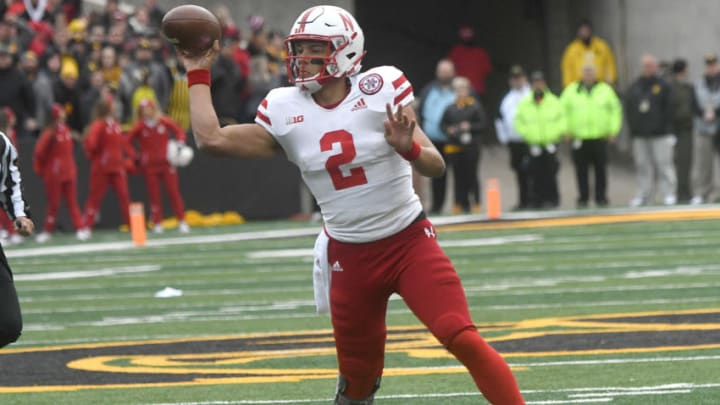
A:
(54, 161)
(153, 137)
(107, 148)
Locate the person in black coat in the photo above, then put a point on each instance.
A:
(463, 123)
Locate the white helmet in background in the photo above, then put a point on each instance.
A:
(345, 50)
(179, 154)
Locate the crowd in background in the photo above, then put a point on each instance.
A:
(63, 67)
(107, 79)
(673, 124)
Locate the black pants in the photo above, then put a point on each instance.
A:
(10, 318)
(520, 163)
(683, 162)
(543, 179)
(465, 168)
(439, 185)
(592, 152)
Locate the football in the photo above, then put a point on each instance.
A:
(192, 29)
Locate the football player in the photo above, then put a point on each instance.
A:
(353, 136)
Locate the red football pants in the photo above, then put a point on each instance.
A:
(98, 187)
(409, 263)
(168, 176)
(55, 190)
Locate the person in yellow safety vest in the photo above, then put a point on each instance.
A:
(594, 115)
(540, 120)
(585, 49)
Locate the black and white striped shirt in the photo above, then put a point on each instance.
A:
(10, 182)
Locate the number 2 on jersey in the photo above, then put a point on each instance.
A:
(346, 155)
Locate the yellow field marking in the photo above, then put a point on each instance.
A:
(588, 220)
(415, 342)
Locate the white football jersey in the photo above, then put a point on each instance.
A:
(362, 185)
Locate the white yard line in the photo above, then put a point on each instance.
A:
(70, 275)
(186, 240)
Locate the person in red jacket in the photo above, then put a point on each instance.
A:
(109, 152)
(152, 132)
(8, 233)
(470, 60)
(54, 161)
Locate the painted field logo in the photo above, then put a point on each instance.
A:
(278, 357)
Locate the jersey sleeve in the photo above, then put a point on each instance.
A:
(395, 89)
(272, 110)
(262, 116)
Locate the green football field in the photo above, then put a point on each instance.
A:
(620, 308)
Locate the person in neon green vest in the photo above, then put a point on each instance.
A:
(594, 115)
(540, 120)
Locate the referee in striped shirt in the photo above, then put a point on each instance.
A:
(17, 208)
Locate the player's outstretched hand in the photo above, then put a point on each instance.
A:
(24, 226)
(204, 61)
(399, 129)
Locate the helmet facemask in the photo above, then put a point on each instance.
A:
(330, 64)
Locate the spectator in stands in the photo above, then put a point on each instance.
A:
(112, 14)
(17, 93)
(540, 120)
(7, 38)
(684, 107)
(54, 162)
(136, 72)
(707, 126)
(151, 132)
(588, 48)
(519, 152)
(463, 123)
(8, 233)
(139, 22)
(41, 85)
(648, 109)
(97, 36)
(67, 94)
(470, 59)
(594, 115)
(227, 85)
(260, 80)
(155, 13)
(109, 153)
(90, 96)
(117, 36)
(277, 52)
(110, 67)
(435, 97)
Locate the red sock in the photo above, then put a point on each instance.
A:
(489, 370)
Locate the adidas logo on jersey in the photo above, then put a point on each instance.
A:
(359, 105)
(337, 267)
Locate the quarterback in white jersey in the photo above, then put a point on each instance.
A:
(353, 136)
(363, 186)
